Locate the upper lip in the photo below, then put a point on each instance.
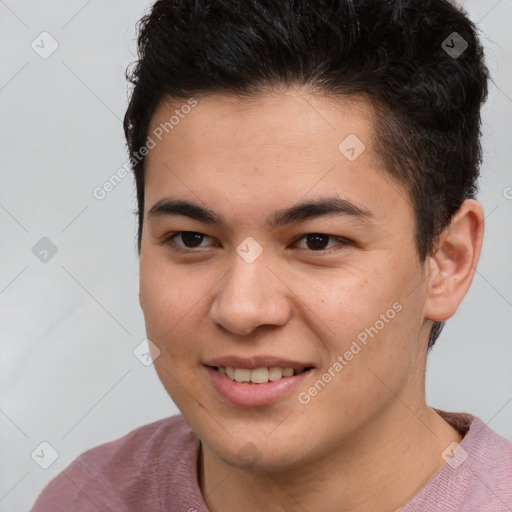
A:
(263, 361)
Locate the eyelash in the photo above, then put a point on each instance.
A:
(169, 241)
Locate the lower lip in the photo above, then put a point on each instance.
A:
(253, 395)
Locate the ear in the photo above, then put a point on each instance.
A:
(453, 265)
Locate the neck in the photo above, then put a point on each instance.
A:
(378, 469)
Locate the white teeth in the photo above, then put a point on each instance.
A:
(258, 375)
(242, 375)
(275, 373)
(287, 372)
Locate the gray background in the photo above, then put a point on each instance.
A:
(69, 325)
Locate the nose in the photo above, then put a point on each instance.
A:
(251, 295)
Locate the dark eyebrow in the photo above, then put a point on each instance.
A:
(322, 207)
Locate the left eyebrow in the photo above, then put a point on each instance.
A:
(321, 207)
(326, 207)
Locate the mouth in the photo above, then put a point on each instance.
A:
(257, 386)
(259, 375)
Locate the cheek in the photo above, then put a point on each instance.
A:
(367, 336)
(170, 308)
(349, 300)
(371, 305)
(166, 302)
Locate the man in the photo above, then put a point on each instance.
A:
(306, 177)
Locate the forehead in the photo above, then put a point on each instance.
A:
(274, 148)
(291, 118)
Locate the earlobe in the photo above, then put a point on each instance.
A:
(453, 265)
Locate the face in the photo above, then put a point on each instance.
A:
(266, 282)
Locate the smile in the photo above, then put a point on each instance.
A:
(258, 375)
(270, 385)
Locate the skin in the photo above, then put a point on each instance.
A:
(368, 440)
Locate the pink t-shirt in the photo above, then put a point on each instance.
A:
(154, 468)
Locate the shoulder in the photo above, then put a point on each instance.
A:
(123, 473)
(139, 447)
(476, 476)
(488, 461)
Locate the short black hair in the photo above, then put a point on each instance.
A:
(419, 62)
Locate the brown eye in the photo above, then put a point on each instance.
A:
(320, 241)
(317, 242)
(189, 239)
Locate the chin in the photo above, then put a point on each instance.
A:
(261, 454)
